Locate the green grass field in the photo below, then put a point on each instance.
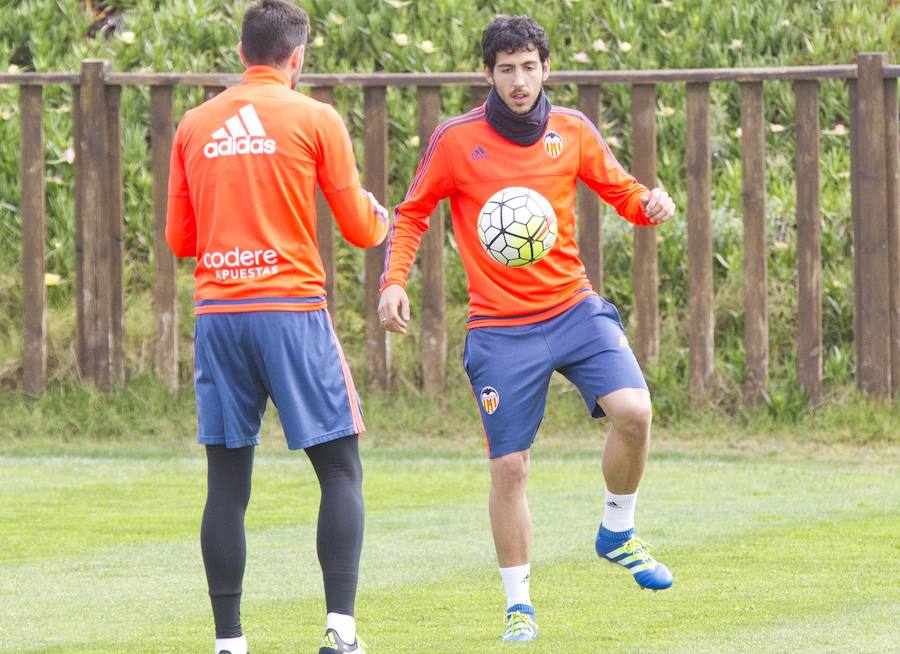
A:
(779, 550)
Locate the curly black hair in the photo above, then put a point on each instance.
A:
(511, 34)
(271, 30)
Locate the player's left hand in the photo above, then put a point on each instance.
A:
(658, 206)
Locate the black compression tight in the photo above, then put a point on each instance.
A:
(222, 533)
(338, 537)
(339, 534)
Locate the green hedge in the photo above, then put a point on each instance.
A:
(392, 35)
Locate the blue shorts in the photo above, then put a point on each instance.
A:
(510, 368)
(294, 357)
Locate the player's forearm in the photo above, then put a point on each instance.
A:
(181, 227)
(630, 207)
(401, 251)
(362, 221)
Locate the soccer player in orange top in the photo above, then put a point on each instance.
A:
(525, 322)
(244, 169)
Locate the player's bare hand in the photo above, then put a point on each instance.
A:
(658, 206)
(393, 308)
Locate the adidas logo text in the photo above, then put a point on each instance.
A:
(243, 134)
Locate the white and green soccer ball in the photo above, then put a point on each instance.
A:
(517, 226)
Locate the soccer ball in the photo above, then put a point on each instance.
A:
(517, 226)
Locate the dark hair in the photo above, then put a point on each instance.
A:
(511, 34)
(271, 31)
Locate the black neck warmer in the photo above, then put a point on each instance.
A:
(522, 129)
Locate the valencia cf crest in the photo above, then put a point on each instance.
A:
(490, 399)
(553, 144)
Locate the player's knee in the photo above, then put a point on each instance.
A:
(634, 420)
(510, 471)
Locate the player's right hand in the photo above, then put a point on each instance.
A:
(393, 308)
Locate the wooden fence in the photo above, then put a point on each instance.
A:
(872, 89)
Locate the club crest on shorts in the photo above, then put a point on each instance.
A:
(553, 144)
(490, 399)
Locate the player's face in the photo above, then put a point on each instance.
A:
(518, 78)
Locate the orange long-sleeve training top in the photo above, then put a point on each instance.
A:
(242, 187)
(468, 162)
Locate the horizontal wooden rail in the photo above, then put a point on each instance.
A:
(789, 73)
(875, 180)
(40, 79)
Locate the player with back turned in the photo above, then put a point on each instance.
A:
(526, 321)
(244, 170)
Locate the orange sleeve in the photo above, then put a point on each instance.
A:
(181, 224)
(599, 169)
(433, 183)
(361, 219)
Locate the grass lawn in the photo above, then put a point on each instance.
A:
(796, 551)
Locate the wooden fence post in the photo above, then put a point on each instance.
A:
(325, 221)
(33, 212)
(590, 213)
(809, 240)
(115, 237)
(209, 92)
(165, 295)
(870, 249)
(81, 356)
(434, 332)
(376, 169)
(646, 267)
(756, 252)
(892, 168)
(700, 272)
(478, 94)
(95, 290)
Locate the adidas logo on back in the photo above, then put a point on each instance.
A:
(242, 134)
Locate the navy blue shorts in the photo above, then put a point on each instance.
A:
(510, 368)
(293, 357)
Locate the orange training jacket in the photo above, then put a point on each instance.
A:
(468, 161)
(242, 195)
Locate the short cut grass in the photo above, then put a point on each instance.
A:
(271, 30)
(512, 34)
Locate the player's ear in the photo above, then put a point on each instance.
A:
(546, 66)
(241, 53)
(489, 75)
(297, 57)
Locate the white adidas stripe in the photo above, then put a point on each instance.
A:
(236, 128)
(251, 120)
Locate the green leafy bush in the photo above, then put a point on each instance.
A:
(440, 36)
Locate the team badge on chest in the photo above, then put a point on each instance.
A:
(553, 144)
(490, 399)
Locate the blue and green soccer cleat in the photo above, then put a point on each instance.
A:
(520, 625)
(629, 551)
(332, 644)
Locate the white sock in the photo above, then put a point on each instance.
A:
(234, 645)
(618, 511)
(517, 583)
(344, 625)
